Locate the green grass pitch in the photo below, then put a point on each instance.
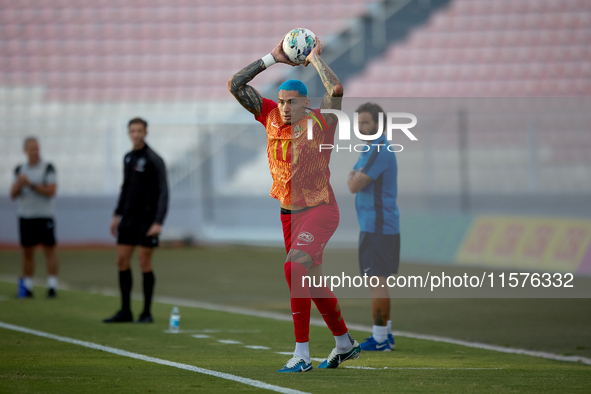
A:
(34, 364)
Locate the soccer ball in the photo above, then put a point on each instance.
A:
(298, 44)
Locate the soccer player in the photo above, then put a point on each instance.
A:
(138, 218)
(374, 179)
(309, 212)
(34, 189)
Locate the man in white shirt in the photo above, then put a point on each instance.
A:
(34, 190)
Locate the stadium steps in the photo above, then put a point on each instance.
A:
(503, 48)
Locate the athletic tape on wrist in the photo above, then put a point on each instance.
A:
(269, 60)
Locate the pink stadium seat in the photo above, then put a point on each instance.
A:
(83, 49)
(480, 48)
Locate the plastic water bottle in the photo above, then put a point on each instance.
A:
(175, 319)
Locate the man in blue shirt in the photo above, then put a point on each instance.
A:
(374, 180)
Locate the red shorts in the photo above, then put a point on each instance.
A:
(310, 230)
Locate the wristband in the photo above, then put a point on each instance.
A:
(269, 60)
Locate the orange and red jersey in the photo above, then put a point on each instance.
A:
(299, 169)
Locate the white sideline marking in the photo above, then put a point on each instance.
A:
(137, 356)
(200, 336)
(364, 328)
(502, 349)
(359, 367)
(229, 341)
(257, 347)
(320, 323)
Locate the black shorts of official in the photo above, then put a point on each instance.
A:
(37, 231)
(132, 231)
(379, 254)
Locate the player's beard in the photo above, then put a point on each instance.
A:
(286, 121)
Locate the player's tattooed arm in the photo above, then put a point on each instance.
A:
(329, 79)
(334, 90)
(329, 102)
(246, 95)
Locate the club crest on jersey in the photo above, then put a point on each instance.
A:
(140, 165)
(306, 237)
(298, 130)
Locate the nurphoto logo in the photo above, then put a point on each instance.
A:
(344, 130)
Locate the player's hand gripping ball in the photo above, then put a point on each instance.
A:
(298, 43)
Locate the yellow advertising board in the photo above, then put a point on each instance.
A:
(529, 243)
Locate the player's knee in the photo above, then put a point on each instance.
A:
(290, 265)
(145, 265)
(123, 262)
(49, 251)
(28, 253)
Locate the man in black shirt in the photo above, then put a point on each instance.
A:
(138, 218)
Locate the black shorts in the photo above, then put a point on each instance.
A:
(379, 254)
(132, 231)
(37, 231)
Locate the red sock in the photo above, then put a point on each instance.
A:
(300, 300)
(329, 308)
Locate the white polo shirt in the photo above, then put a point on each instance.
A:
(32, 205)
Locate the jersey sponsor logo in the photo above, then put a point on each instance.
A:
(305, 237)
(140, 165)
(283, 151)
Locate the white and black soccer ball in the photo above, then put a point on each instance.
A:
(298, 44)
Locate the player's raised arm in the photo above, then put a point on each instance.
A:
(334, 90)
(246, 95)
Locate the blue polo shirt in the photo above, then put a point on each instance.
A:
(376, 207)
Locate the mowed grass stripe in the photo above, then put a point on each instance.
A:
(137, 356)
(364, 328)
(41, 365)
(176, 301)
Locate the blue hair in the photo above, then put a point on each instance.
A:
(296, 85)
